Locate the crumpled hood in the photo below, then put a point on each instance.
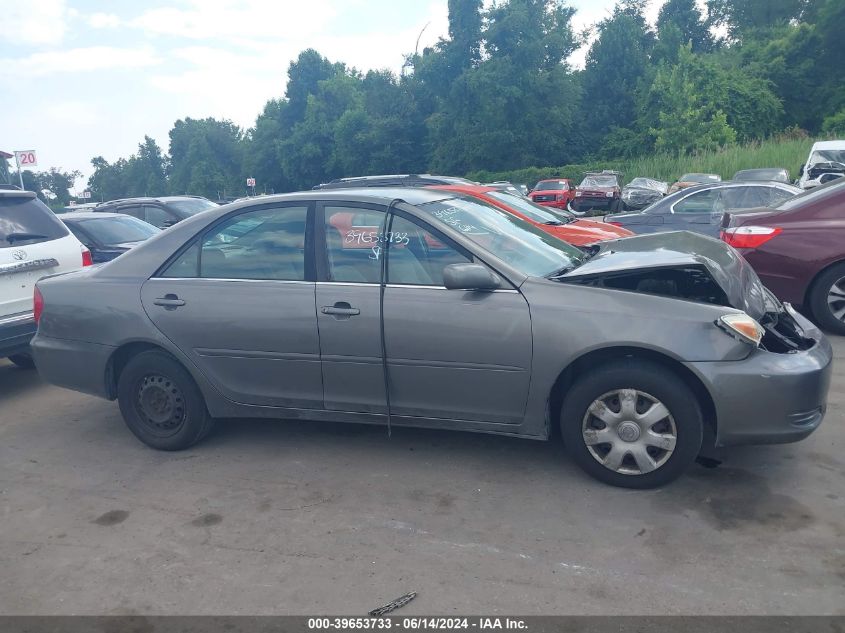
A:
(679, 249)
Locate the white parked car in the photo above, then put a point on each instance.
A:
(825, 163)
(34, 243)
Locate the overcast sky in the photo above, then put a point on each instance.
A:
(82, 78)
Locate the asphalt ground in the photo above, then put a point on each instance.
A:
(306, 518)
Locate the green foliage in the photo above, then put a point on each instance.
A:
(785, 152)
(52, 186)
(206, 158)
(835, 124)
(498, 94)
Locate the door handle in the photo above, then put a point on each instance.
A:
(169, 301)
(341, 309)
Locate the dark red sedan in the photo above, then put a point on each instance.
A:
(798, 250)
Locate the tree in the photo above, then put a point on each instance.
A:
(617, 62)
(52, 186)
(206, 158)
(686, 17)
(743, 17)
(688, 120)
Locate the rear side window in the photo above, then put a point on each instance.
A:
(26, 221)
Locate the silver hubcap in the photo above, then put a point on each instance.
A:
(836, 299)
(629, 431)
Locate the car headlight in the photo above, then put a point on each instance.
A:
(609, 194)
(577, 194)
(741, 326)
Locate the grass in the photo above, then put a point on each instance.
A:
(778, 152)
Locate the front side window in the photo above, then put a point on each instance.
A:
(416, 256)
(266, 244)
(528, 249)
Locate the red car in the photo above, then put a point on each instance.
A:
(562, 225)
(554, 192)
(798, 250)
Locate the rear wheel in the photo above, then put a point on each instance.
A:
(827, 299)
(24, 361)
(160, 402)
(632, 424)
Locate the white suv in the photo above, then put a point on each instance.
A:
(33, 243)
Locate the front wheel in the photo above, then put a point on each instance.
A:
(632, 424)
(160, 402)
(827, 300)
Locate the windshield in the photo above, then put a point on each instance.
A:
(525, 247)
(192, 206)
(551, 185)
(700, 178)
(25, 220)
(118, 230)
(648, 183)
(527, 208)
(827, 156)
(832, 188)
(598, 181)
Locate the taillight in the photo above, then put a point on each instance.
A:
(37, 305)
(749, 236)
(87, 260)
(613, 223)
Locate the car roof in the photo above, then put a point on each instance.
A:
(376, 195)
(343, 183)
(14, 192)
(464, 188)
(726, 184)
(554, 179)
(91, 215)
(839, 144)
(147, 199)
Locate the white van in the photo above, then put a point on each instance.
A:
(33, 243)
(825, 163)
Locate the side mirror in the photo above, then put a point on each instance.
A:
(470, 277)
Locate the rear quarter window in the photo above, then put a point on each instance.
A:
(26, 221)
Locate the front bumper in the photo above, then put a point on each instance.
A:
(16, 331)
(557, 204)
(770, 398)
(583, 202)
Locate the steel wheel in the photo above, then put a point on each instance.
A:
(160, 405)
(836, 299)
(629, 432)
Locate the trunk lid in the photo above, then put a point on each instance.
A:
(679, 250)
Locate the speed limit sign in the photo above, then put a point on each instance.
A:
(26, 158)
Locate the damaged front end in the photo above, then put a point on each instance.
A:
(691, 267)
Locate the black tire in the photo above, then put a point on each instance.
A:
(818, 299)
(648, 379)
(24, 361)
(160, 402)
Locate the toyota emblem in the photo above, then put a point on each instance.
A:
(19, 255)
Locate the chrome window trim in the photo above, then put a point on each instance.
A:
(14, 319)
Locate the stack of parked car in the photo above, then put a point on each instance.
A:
(422, 300)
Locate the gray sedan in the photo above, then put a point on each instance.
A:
(414, 307)
(700, 208)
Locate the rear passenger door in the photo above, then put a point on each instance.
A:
(239, 302)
